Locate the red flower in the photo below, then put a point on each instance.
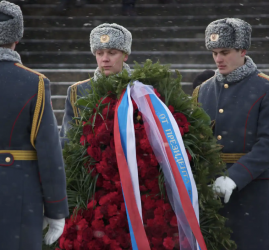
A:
(157, 241)
(189, 155)
(87, 129)
(148, 203)
(85, 235)
(157, 93)
(106, 100)
(81, 225)
(95, 153)
(111, 197)
(91, 204)
(171, 108)
(98, 224)
(168, 243)
(112, 210)
(173, 221)
(82, 140)
(68, 244)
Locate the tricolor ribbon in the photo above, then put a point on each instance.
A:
(167, 144)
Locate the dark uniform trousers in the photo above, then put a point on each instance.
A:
(71, 111)
(240, 111)
(32, 175)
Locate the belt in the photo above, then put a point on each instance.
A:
(231, 157)
(19, 155)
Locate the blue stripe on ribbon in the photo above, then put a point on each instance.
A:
(172, 140)
(122, 119)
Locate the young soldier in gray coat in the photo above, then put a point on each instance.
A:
(32, 176)
(237, 100)
(111, 45)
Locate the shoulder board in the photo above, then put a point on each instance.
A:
(77, 83)
(263, 76)
(31, 70)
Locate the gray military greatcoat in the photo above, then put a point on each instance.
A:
(32, 174)
(240, 111)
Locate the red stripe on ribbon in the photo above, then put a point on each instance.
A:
(126, 183)
(184, 196)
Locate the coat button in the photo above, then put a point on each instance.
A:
(219, 137)
(221, 111)
(226, 86)
(8, 159)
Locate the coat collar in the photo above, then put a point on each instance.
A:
(98, 73)
(238, 74)
(9, 55)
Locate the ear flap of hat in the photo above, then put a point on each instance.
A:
(242, 32)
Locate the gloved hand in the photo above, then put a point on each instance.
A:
(56, 228)
(223, 187)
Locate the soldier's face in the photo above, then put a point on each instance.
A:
(110, 61)
(227, 60)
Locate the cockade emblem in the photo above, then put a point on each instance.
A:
(214, 37)
(104, 39)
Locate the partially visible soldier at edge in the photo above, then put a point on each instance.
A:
(111, 45)
(32, 175)
(237, 101)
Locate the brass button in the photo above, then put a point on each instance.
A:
(8, 159)
(221, 111)
(226, 86)
(219, 137)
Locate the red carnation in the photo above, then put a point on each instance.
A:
(91, 204)
(87, 129)
(98, 224)
(108, 198)
(157, 241)
(168, 243)
(171, 108)
(82, 140)
(173, 221)
(95, 153)
(157, 93)
(112, 210)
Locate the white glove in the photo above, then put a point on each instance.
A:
(223, 187)
(56, 228)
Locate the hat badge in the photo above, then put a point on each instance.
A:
(104, 39)
(214, 37)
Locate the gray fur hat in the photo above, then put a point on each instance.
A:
(111, 36)
(11, 29)
(231, 33)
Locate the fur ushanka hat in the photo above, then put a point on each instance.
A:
(230, 33)
(111, 36)
(11, 23)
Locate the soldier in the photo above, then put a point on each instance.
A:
(237, 100)
(111, 45)
(32, 176)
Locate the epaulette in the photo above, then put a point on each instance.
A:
(195, 92)
(73, 96)
(77, 83)
(31, 70)
(262, 75)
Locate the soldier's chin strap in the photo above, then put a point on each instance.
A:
(39, 110)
